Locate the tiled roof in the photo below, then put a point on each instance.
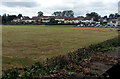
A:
(56, 17)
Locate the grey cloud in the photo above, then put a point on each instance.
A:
(80, 7)
(20, 4)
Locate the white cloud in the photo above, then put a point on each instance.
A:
(80, 7)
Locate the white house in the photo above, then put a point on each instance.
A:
(44, 19)
(27, 19)
(113, 21)
(16, 20)
(73, 20)
(59, 18)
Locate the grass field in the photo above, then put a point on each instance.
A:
(25, 44)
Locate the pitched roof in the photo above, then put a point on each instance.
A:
(26, 18)
(57, 17)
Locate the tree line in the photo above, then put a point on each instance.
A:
(6, 18)
(66, 13)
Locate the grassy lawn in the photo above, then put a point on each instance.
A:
(25, 44)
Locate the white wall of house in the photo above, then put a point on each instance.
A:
(60, 19)
(45, 21)
(16, 20)
(113, 21)
(76, 21)
(71, 21)
(28, 21)
(116, 23)
(68, 21)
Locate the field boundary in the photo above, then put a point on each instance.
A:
(97, 29)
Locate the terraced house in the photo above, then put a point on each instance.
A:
(46, 19)
(64, 20)
(113, 21)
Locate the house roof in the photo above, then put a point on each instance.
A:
(34, 18)
(45, 16)
(87, 18)
(26, 18)
(68, 18)
(79, 18)
(58, 17)
(112, 19)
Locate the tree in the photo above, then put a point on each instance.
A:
(19, 15)
(93, 15)
(80, 16)
(40, 13)
(105, 17)
(57, 13)
(64, 13)
(11, 17)
(71, 13)
(88, 16)
(6, 19)
(0, 19)
(68, 13)
(116, 15)
(111, 16)
(53, 21)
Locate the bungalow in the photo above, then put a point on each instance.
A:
(44, 19)
(73, 20)
(77, 20)
(113, 21)
(27, 19)
(59, 18)
(88, 20)
(16, 20)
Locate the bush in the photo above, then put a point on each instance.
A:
(10, 74)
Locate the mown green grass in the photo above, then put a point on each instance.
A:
(26, 44)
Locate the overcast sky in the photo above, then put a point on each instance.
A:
(80, 7)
